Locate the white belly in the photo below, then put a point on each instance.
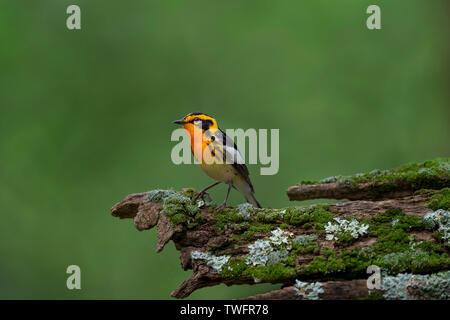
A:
(220, 172)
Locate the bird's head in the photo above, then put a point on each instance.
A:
(200, 120)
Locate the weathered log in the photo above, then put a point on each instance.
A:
(298, 244)
(378, 184)
(332, 290)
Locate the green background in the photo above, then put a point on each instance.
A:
(86, 118)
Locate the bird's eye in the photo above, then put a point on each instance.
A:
(196, 119)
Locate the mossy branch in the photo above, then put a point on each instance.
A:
(377, 184)
(316, 251)
(332, 290)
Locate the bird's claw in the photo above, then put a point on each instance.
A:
(221, 207)
(198, 195)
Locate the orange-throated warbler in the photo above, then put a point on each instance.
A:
(218, 156)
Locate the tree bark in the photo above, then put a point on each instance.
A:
(147, 214)
(317, 251)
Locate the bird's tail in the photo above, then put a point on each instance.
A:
(251, 199)
(244, 188)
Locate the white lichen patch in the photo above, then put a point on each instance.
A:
(282, 213)
(406, 286)
(426, 171)
(259, 252)
(215, 262)
(308, 290)
(279, 237)
(267, 252)
(444, 166)
(305, 239)
(245, 210)
(175, 202)
(401, 261)
(200, 203)
(343, 226)
(277, 256)
(330, 179)
(159, 194)
(439, 220)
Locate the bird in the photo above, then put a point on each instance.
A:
(218, 156)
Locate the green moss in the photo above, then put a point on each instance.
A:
(264, 220)
(236, 267)
(346, 182)
(313, 217)
(158, 195)
(178, 218)
(393, 226)
(431, 174)
(348, 261)
(218, 248)
(299, 250)
(395, 250)
(440, 237)
(177, 207)
(441, 200)
(373, 295)
(227, 216)
(405, 286)
(257, 229)
(418, 175)
(271, 273)
(298, 217)
(284, 226)
(189, 192)
(392, 237)
(240, 227)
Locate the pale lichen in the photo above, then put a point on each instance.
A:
(308, 290)
(215, 262)
(200, 203)
(245, 210)
(440, 221)
(262, 253)
(330, 179)
(279, 237)
(343, 227)
(259, 252)
(174, 203)
(444, 166)
(401, 261)
(406, 286)
(158, 195)
(305, 239)
(271, 251)
(431, 174)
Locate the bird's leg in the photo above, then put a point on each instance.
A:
(202, 192)
(224, 204)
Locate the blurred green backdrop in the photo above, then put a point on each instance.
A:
(86, 118)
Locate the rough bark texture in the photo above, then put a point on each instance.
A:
(228, 233)
(361, 191)
(333, 290)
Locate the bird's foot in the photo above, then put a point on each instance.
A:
(221, 207)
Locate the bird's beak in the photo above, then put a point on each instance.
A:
(180, 122)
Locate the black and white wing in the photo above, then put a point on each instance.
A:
(231, 154)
